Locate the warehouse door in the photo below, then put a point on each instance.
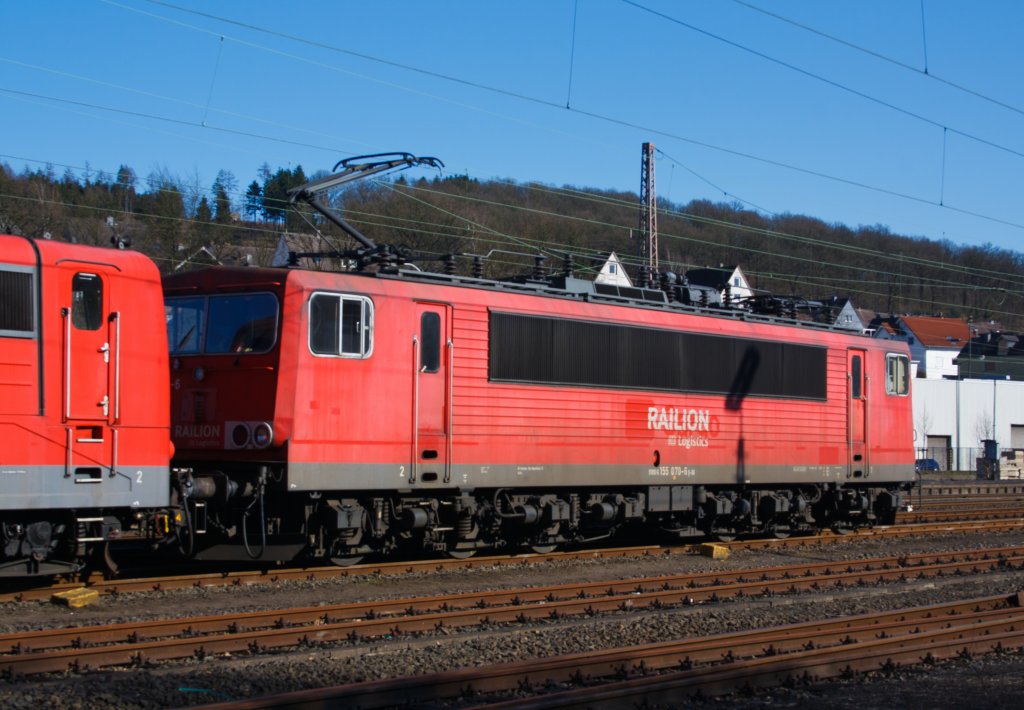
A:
(940, 448)
(1017, 436)
(432, 394)
(857, 409)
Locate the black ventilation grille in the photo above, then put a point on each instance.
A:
(16, 302)
(584, 353)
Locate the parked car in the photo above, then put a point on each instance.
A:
(922, 465)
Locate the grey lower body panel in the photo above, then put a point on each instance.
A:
(46, 487)
(349, 477)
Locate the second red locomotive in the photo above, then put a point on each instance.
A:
(334, 415)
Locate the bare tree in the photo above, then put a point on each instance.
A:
(923, 424)
(983, 427)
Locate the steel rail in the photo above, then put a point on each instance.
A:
(133, 632)
(702, 666)
(118, 644)
(956, 513)
(262, 576)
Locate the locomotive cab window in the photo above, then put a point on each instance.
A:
(228, 324)
(242, 323)
(184, 318)
(340, 326)
(897, 374)
(17, 314)
(86, 301)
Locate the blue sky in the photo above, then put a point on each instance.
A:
(743, 105)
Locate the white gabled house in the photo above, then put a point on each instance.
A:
(613, 273)
(720, 279)
(934, 342)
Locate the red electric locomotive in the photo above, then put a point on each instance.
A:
(83, 401)
(333, 415)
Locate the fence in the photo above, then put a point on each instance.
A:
(952, 458)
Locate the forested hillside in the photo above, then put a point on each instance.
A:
(180, 223)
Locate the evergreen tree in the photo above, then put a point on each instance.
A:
(253, 200)
(164, 209)
(223, 187)
(124, 189)
(204, 215)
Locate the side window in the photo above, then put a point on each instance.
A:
(897, 374)
(856, 377)
(430, 349)
(17, 309)
(340, 325)
(86, 301)
(324, 324)
(355, 329)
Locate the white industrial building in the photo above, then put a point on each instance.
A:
(953, 417)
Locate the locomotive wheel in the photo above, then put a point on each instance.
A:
(460, 554)
(346, 561)
(544, 549)
(724, 535)
(110, 567)
(781, 532)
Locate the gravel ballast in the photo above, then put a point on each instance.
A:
(217, 678)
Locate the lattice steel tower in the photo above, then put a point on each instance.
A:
(648, 212)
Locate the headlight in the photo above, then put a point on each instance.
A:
(262, 435)
(240, 435)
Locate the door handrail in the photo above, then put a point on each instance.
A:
(415, 408)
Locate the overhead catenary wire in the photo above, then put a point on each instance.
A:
(924, 38)
(831, 82)
(213, 79)
(706, 181)
(631, 205)
(519, 95)
(554, 248)
(698, 218)
(885, 58)
(572, 52)
(592, 114)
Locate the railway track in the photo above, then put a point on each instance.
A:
(960, 512)
(670, 672)
(248, 577)
(970, 488)
(135, 643)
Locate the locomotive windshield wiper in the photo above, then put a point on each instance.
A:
(356, 168)
(185, 339)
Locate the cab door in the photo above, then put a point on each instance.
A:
(89, 366)
(857, 412)
(432, 353)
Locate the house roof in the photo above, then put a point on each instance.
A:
(866, 314)
(994, 344)
(715, 278)
(307, 243)
(933, 332)
(981, 328)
